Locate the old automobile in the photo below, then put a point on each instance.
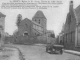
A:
(54, 48)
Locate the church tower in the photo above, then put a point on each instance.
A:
(40, 19)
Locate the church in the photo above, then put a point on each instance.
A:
(31, 31)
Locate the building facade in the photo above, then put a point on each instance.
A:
(71, 29)
(2, 27)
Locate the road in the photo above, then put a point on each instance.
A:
(37, 52)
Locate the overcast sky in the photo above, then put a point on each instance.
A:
(55, 16)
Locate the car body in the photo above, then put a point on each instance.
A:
(54, 48)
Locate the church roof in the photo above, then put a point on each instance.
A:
(39, 14)
(25, 20)
(2, 15)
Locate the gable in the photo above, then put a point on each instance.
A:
(77, 13)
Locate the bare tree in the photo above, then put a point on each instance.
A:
(19, 18)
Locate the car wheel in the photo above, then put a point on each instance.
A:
(61, 51)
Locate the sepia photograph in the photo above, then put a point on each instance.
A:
(39, 29)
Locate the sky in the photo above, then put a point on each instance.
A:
(55, 16)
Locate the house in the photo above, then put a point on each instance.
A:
(2, 21)
(71, 34)
(2, 26)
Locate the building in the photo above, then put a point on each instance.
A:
(2, 21)
(2, 26)
(60, 37)
(28, 31)
(50, 37)
(71, 29)
(30, 27)
(40, 19)
(49, 32)
(37, 28)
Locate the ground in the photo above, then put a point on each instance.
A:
(9, 53)
(38, 52)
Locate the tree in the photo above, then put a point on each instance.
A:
(19, 18)
(52, 35)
